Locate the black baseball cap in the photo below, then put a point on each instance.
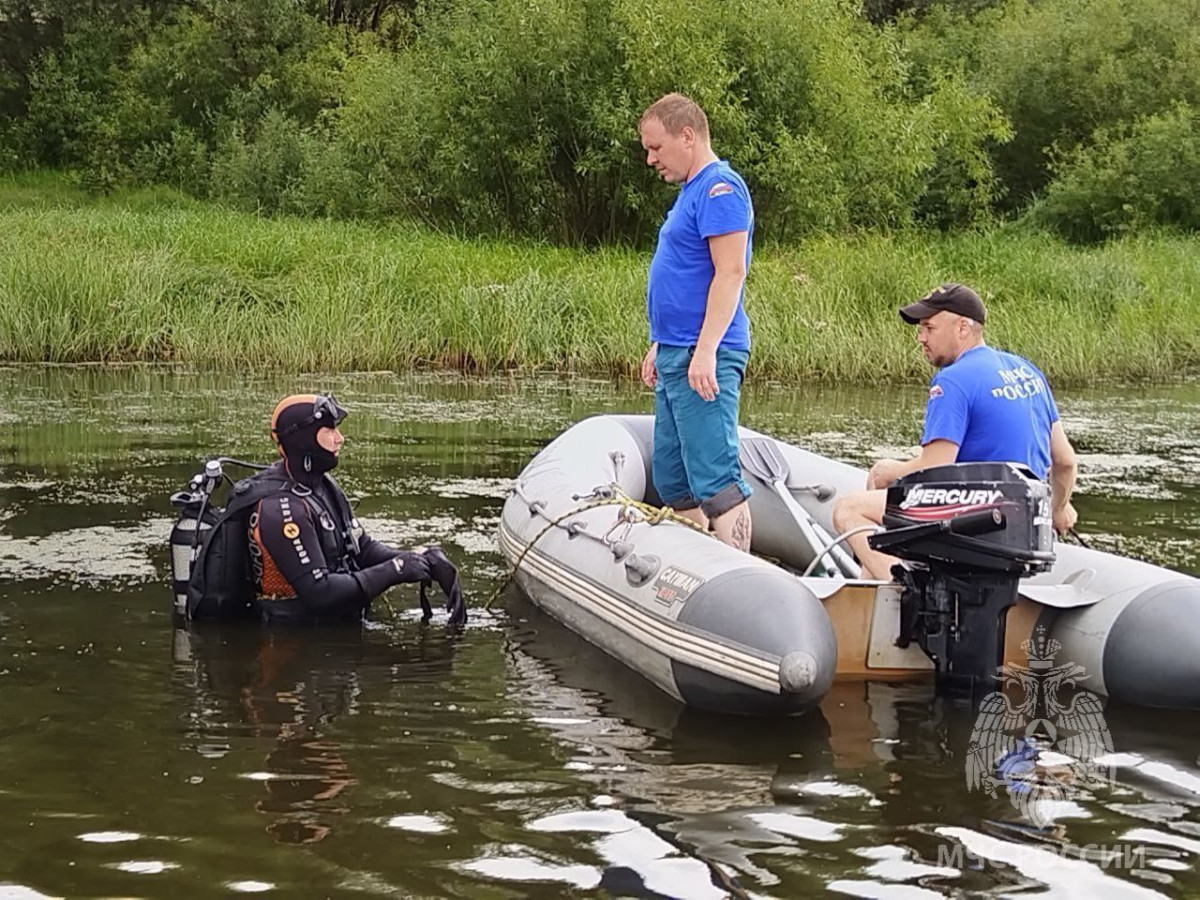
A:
(955, 298)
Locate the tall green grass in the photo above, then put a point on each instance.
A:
(154, 276)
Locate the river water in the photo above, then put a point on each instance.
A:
(143, 759)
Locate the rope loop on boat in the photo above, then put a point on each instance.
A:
(660, 514)
(606, 495)
(654, 515)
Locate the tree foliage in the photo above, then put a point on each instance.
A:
(1128, 179)
(519, 116)
(1059, 70)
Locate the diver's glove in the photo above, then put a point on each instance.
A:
(412, 566)
(444, 573)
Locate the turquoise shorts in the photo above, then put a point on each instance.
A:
(695, 462)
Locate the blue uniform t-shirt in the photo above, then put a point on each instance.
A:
(996, 406)
(716, 201)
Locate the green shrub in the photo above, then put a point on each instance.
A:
(285, 168)
(1129, 179)
(181, 161)
(1061, 69)
(499, 117)
(517, 115)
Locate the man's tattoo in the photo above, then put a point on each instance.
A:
(741, 530)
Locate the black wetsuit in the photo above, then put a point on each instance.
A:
(311, 559)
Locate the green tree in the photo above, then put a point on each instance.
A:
(1061, 69)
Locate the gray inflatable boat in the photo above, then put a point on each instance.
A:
(767, 634)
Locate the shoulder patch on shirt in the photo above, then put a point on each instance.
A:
(720, 188)
(935, 391)
(291, 530)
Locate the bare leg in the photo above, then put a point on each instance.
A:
(733, 526)
(695, 514)
(853, 511)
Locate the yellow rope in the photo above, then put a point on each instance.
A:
(654, 515)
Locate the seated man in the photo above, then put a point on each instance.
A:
(984, 405)
(310, 557)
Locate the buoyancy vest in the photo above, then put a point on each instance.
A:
(334, 527)
(222, 583)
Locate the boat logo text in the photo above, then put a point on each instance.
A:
(675, 585)
(927, 496)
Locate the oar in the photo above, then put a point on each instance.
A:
(761, 458)
(837, 551)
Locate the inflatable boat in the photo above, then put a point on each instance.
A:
(983, 590)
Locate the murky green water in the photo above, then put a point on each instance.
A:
(511, 760)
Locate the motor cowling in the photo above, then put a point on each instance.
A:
(990, 517)
(972, 531)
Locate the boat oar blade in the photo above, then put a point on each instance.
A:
(761, 458)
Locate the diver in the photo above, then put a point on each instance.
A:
(310, 558)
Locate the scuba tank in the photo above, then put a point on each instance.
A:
(210, 555)
(192, 527)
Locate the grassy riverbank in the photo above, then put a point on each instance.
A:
(155, 276)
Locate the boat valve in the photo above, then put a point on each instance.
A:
(822, 492)
(640, 569)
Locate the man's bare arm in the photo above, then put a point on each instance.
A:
(1063, 469)
(728, 252)
(935, 453)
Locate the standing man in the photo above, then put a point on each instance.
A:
(699, 333)
(984, 405)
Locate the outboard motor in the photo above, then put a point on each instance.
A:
(974, 529)
(197, 516)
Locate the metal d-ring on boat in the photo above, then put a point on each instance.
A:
(727, 631)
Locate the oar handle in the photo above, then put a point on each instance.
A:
(802, 519)
(838, 553)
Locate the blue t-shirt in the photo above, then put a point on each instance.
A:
(716, 201)
(996, 406)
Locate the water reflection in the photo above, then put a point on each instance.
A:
(291, 685)
(842, 799)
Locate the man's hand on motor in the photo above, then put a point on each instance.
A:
(702, 374)
(1065, 518)
(649, 369)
